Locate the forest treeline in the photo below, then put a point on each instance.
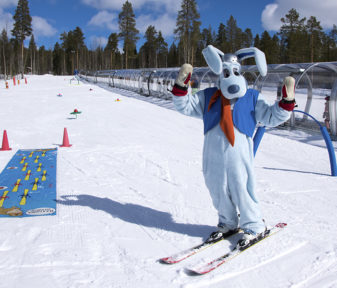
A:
(298, 40)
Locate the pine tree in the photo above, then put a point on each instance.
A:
(315, 31)
(333, 43)
(22, 26)
(32, 53)
(111, 49)
(233, 35)
(64, 45)
(150, 47)
(41, 60)
(257, 41)
(78, 39)
(128, 31)
(73, 45)
(221, 40)
(329, 45)
(188, 29)
(293, 36)
(207, 37)
(162, 50)
(5, 52)
(154, 52)
(275, 46)
(333, 34)
(57, 59)
(247, 38)
(269, 45)
(172, 57)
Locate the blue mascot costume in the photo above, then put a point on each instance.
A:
(230, 112)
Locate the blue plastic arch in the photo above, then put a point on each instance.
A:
(260, 131)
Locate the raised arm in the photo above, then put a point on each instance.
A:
(186, 103)
(276, 114)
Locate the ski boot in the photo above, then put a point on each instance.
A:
(222, 233)
(250, 238)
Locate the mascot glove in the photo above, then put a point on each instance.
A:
(181, 84)
(288, 94)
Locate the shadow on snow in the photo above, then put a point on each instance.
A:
(137, 214)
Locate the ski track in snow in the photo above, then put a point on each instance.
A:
(130, 191)
(298, 191)
(320, 272)
(219, 278)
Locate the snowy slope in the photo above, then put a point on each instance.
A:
(130, 191)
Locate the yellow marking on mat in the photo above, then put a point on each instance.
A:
(44, 175)
(24, 167)
(3, 198)
(31, 154)
(36, 159)
(39, 168)
(16, 185)
(35, 184)
(28, 175)
(23, 160)
(24, 197)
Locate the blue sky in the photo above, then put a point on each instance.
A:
(99, 18)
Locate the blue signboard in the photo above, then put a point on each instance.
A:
(28, 184)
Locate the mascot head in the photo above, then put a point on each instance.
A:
(228, 68)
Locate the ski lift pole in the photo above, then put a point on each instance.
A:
(327, 139)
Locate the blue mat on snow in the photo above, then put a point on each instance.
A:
(28, 184)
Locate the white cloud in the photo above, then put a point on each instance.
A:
(163, 17)
(171, 6)
(268, 18)
(164, 23)
(104, 4)
(6, 22)
(8, 3)
(41, 27)
(96, 41)
(105, 19)
(324, 11)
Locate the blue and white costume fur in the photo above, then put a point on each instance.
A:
(229, 170)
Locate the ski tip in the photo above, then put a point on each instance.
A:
(194, 272)
(281, 225)
(167, 260)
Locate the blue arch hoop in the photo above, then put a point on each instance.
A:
(260, 131)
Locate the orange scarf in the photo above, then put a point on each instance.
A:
(226, 121)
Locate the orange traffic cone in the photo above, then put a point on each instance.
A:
(5, 145)
(65, 139)
(7, 85)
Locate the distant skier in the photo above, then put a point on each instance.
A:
(230, 113)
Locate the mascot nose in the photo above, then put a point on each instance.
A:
(233, 89)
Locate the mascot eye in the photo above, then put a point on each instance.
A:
(236, 72)
(226, 73)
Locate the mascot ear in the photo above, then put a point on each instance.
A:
(260, 58)
(213, 59)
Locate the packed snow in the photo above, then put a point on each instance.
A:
(131, 191)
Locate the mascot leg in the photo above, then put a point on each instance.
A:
(221, 198)
(241, 186)
(229, 177)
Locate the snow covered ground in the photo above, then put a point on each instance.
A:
(130, 191)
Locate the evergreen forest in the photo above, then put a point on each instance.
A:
(299, 40)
